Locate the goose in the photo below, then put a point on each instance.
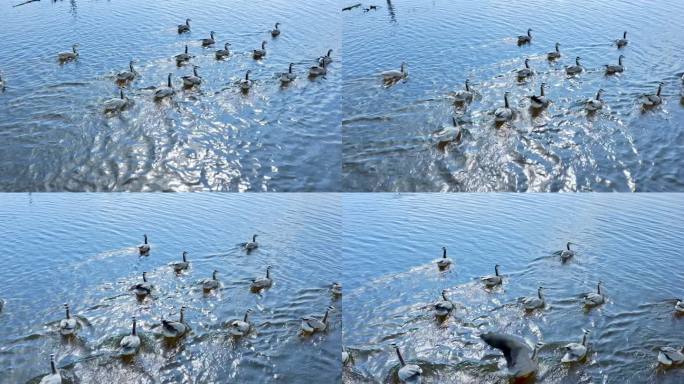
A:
(408, 373)
(130, 344)
(181, 265)
(534, 302)
(223, 53)
(394, 75)
(576, 351)
(288, 77)
(259, 53)
(555, 54)
(328, 57)
(621, 43)
(670, 356)
(54, 377)
(336, 289)
(455, 135)
(311, 323)
(210, 284)
(183, 57)
(525, 39)
(142, 289)
(251, 245)
(593, 299)
(318, 70)
(144, 249)
(574, 69)
(541, 101)
(444, 306)
(68, 56)
(464, 96)
(525, 72)
(209, 41)
(567, 253)
(182, 28)
(679, 306)
(491, 281)
(192, 80)
(596, 103)
(275, 32)
(241, 327)
(246, 83)
(612, 69)
(505, 113)
(116, 104)
(68, 325)
(262, 282)
(162, 93)
(651, 100)
(175, 329)
(444, 262)
(519, 361)
(126, 76)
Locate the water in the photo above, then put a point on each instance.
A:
(54, 136)
(81, 249)
(630, 242)
(387, 132)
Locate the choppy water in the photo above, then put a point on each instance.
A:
(54, 136)
(387, 132)
(80, 249)
(632, 243)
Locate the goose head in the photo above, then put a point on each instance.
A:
(527, 63)
(568, 245)
(325, 316)
(185, 254)
(263, 45)
(194, 70)
(268, 272)
(577, 59)
(620, 59)
(187, 22)
(403, 67)
(255, 236)
(276, 25)
(289, 70)
(211, 34)
(66, 308)
(133, 331)
(247, 74)
(145, 236)
(539, 292)
(496, 269)
(598, 287)
(660, 88)
(455, 124)
(225, 46)
(444, 251)
(186, 49)
(329, 53)
(144, 276)
(585, 333)
(168, 83)
(467, 85)
(74, 48)
(529, 32)
(247, 312)
(182, 313)
(213, 275)
(557, 47)
(541, 87)
(121, 96)
(624, 35)
(598, 94)
(401, 359)
(53, 366)
(506, 99)
(536, 349)
(130, 66)
(444, 295)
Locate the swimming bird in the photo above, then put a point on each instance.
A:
(444, 262)
(182, 28)
(534, 302)
(318, 70)
(555, 54)
(541, 101)
(241, 327)
(144, 249)
(505, 113)
(68, 325)
(576, 351)
(652, 100)
(184, 57)
(125, 76)
(142, 289)
(251, 245)
(275, 32)
(311, 323)
(670, 356)
(336, 289)
(593, 299)
(596, 103)
(567, 253)
(54, 377)
(491, 281)
(223, 53)
(574, 69)
(163, 92)
(408, 373)
(130, 344)
(444, 306)
(259, 53)
(192, 80)
(327, 59)
(288, 77)
(454, 135)
(464, 96)
(69, 56)
(679, 307)
(210, 284)
(175, 329)
(519, 357)
(525, 39)
(246, 83)
(525, 72)
(116, 104)
(394, 75)
(209, 41)
(181, 265)
(621, 43)
(612, 68)
(262, 282)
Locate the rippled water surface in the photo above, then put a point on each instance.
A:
(82, 250)
(631, 243)
(54, 136)
(388, 141)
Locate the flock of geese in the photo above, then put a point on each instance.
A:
(520, 357)
(174, 330)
